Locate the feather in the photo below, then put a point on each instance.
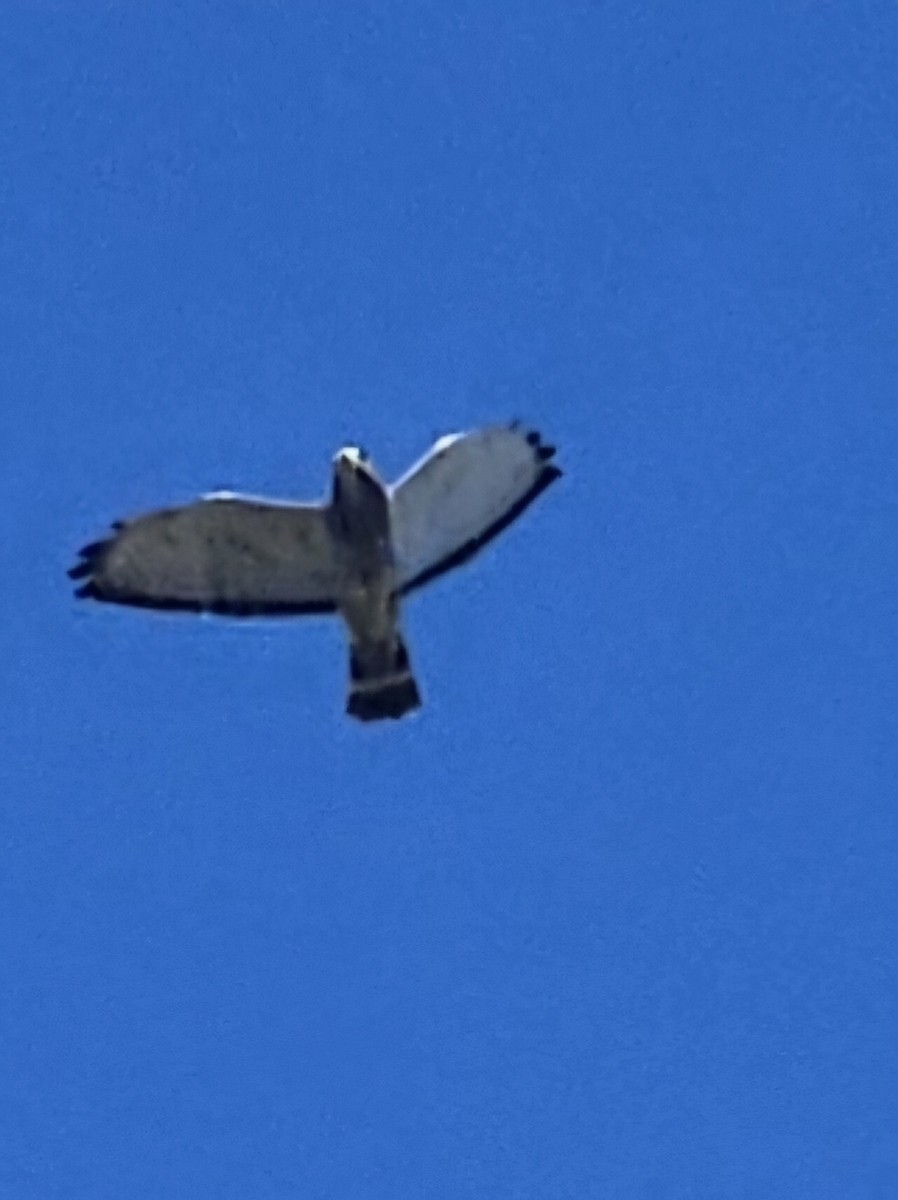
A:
(225, 554)
(461, 495)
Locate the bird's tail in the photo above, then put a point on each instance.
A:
(381, 682)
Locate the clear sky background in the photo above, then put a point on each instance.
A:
(614, 915)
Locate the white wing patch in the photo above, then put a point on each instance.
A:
(235, 555)
(466, 490)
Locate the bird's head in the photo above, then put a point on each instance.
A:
(351, 458)
(352, 468)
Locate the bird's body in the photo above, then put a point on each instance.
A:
(381, 682)
(356, 554)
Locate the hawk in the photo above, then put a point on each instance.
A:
(356, 553)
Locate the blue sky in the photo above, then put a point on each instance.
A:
(614, 916)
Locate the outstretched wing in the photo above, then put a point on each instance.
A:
(227, 554)
(465, 491)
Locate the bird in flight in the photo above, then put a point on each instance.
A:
(356, 553)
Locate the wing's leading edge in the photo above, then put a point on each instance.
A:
(465, 491)
(226, 554)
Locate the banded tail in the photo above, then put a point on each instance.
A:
(381, 682)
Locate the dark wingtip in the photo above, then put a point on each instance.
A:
(542, 450)
(89, 555)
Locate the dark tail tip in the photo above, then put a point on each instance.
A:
(388, 701)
